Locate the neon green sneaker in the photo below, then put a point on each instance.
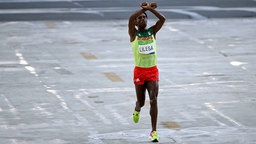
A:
(154, 136)
(136, 116)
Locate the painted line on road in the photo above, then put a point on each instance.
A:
(11, 107)
(94, 110)
(141, 135)
(107, 90)
(238, 54)
(41, 110)
(212, 107)
(185, 35)
(193, 15)
(116, 115)
(213, 118)
(21, 59)
(26, 65)
(163, 87)
(62, 101)
(237, 63)
(82, 121)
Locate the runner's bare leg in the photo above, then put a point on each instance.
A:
(140, 94)
(153, 88)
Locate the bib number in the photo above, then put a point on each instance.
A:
(146, 49)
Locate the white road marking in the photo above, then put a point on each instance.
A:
(22, 61)
(64, 105)
(82, 120)
(62, 101)
(41, 110)
(166, 87)
(186, 35)
(237, 63)
(93, 109)
(32, 70)
(102, 117)
(131, 89)
(14, 141)
(12, 108)
(193, 15)
(213, 118)
(116, 115)
(107, 90)
(212, 107)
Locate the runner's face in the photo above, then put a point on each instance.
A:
(141, 21)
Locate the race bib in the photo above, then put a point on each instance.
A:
(146, 49)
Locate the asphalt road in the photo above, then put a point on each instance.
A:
(70, 82)
(121, 9)
(66, 72)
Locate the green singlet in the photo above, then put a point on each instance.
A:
(144, 49)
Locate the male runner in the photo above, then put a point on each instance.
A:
(143, 42)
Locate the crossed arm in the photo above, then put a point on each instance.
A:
(145, 7)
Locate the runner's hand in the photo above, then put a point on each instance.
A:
(144, 5)
(153, 5)
(147, 6)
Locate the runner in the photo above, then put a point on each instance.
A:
(143, 41)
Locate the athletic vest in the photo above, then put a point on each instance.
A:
(144, 49)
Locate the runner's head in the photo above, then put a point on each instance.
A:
(141, 21)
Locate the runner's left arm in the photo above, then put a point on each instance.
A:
(161, 19)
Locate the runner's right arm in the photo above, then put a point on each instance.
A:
(131, 24)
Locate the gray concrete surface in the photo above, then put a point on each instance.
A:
(64, 82)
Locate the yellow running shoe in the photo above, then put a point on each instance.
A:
(154, 136)
(136, 116)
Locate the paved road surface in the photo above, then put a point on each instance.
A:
(71, 82)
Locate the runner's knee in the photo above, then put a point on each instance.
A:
(153, 101)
